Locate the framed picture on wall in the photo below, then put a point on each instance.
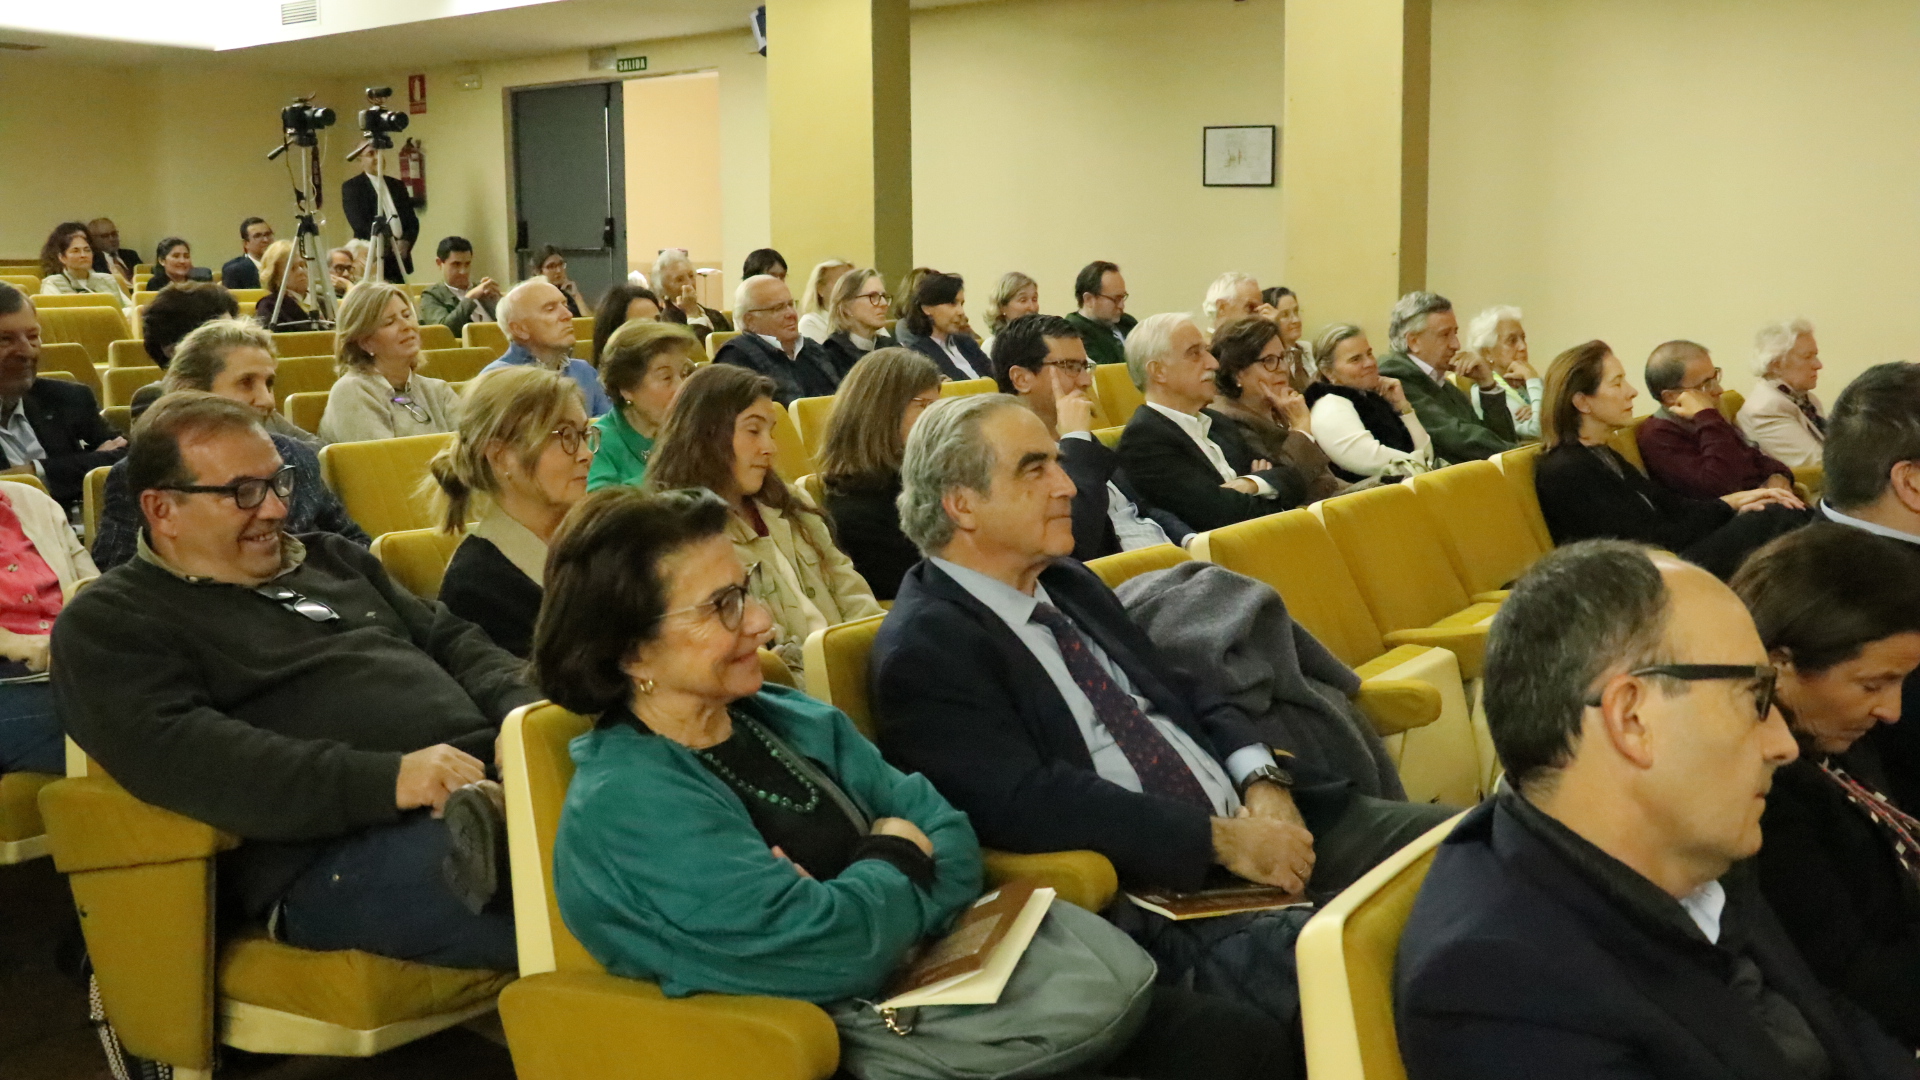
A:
(1239, 156)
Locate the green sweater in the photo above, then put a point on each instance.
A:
(622, 458)
(1459, 433)
(1103, 346)
(662, 876)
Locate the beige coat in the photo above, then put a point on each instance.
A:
(1777, 426)
(806, 582)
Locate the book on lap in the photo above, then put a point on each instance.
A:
(1213, 903)
(971, 965)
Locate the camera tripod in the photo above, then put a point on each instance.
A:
(306, 242)
(386, 225)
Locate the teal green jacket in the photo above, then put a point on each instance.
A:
(622, 458)
(662, 876)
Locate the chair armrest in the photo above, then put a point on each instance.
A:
(1492, 596)
(1469, 643)
(1083, 878)
(1397, 705)
(93, 824)
(1810, 480)
(561, 1025)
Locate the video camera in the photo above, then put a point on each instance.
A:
(378, 123)
(303, 121)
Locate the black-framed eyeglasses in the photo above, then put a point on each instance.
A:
(296, 602)
(1071, 367)
(570, 438)
(1763, 676)
(414, 408)
(729, 604)
(248, 493)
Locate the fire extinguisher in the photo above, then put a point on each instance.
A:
(413, 172)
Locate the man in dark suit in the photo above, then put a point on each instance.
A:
(108, 256)
(1426, 337)
(361, 204)
(243, 270)
(49, 428)
(1592, 920)
(771, 343)
(1180, 454)
(1041, 360)
(1012, 678)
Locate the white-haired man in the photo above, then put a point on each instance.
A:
(1780, 414)
(540, 325)
(674, 280)
(1426, 337)
(771, 343)
(1234, 295)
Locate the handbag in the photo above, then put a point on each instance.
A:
(1078, 996)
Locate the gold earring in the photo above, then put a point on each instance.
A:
(645, 686)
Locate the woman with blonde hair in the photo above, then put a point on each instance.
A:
(642, 368)
(520, 458)
(860, 462)
(282, 314)
(719, 436)
(816, 304)
(379, 394)
(857, 311)
(1015, 295)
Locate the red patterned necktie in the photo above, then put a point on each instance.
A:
(1160, 767)
(1899, 826)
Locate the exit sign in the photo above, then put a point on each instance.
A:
(630, 63)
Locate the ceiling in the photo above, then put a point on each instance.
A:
(534, 28)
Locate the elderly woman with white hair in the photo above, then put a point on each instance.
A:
(1780, 414)
(673, 281)
(1497, 336)
(1235, 295)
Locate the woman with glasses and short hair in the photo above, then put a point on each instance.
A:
(642, 368)
(719, 436)
(860, 461)
(519, 461)
(857, 313)
(1254, 391)
(380, 393)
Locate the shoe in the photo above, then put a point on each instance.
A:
(476, 862)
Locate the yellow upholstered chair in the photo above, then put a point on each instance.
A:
(1517, 466)
(810, 416)
(436, 336)
(248, 298)
(719, 338)
(1812, 479)
(455, 365)
(93, 502)
(814, 488)
(484, 335)
(303, 343)
(1109, 436)
(1730, 402)
(22, 833)
(1346, 955)
(1124, 566)
(119, 418)
(129, 353)
(62, 376)
(791, 459)
(302, 375)
(26, 283)
(1626, 442)
(379, 481)
(305, 409)
(143, 882)
(74, 360)
(143, 297)
(836, 672)
(417, 558)
(96, 328)
(1414, 694)
(1398, 559)
(563, 1014)
(963, 387)
(1113, 388)
(44, 301)
(1481, 524)
(121, 382)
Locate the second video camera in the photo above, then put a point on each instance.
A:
(378, 122)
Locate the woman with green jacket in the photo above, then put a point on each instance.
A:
(642, 367)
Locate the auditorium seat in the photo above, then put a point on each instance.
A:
(1109, 436)
(96, 328)
(305, 409)
(1414, 694)
(813, 488)
(22, 833)
(1113, 388)
(118, 417)
(1517, 466)
(26, 283)
(836, 673)
(121, 382)
(717, 339)
(583, 332)
(1730, 402)
(436, 336)
(303, 343)
(302, 375)
(1124, 566)
(1346, 958)
(566, 1017)
(455, 365)
(417, 558)
(791, 460)
(379, 481)
(62, 376)
(44, 301)
(1482, 525)
(963, 387)
(485, 335)
(143, 881)
(129, 353)
(1811, 481)
(93, 502)
(248, 298)
(810, 416)
(1626, 442)
(143, 297)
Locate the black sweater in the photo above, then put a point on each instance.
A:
(1582, 498)
(217, 703)
(866, 524)
(483, 587)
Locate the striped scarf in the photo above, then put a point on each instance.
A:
(1899, 826)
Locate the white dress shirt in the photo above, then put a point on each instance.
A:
(20, 442)
(1704, 906)
(798, 344)
(1199, 428)
(953, 353)
(1866, 526)
(814, 325)
(1015, 608)
(1133, 529)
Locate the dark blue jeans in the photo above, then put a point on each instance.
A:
(381, 891)
(30, 736)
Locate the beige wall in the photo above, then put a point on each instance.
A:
(1640, 170)
(673, 168)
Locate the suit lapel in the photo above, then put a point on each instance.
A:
(1171, 430)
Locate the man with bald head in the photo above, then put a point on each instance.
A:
(540, 326)
(771, 343)
(1596, 918)
(1688, 444)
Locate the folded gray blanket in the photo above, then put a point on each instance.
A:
(1234, 633)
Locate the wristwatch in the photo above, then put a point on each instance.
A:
(1272, 774)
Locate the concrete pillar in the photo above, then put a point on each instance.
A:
(1354, 156)
(839, 109)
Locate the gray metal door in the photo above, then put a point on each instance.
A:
(570, 181)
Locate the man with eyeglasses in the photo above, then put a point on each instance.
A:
(1041, 360)
(243, 270)
(540, 326)
(771, 343)
(1688, 444)
(1595, 918)
(284, 689)
(1102, 321)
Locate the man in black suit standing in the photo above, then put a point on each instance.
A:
(361, 204)
(1012, 678)
(1597, 919)
(1042, 360)
(243, 270)
(771, 343)
(49, 428)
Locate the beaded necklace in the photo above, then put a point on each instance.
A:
(777, 799)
